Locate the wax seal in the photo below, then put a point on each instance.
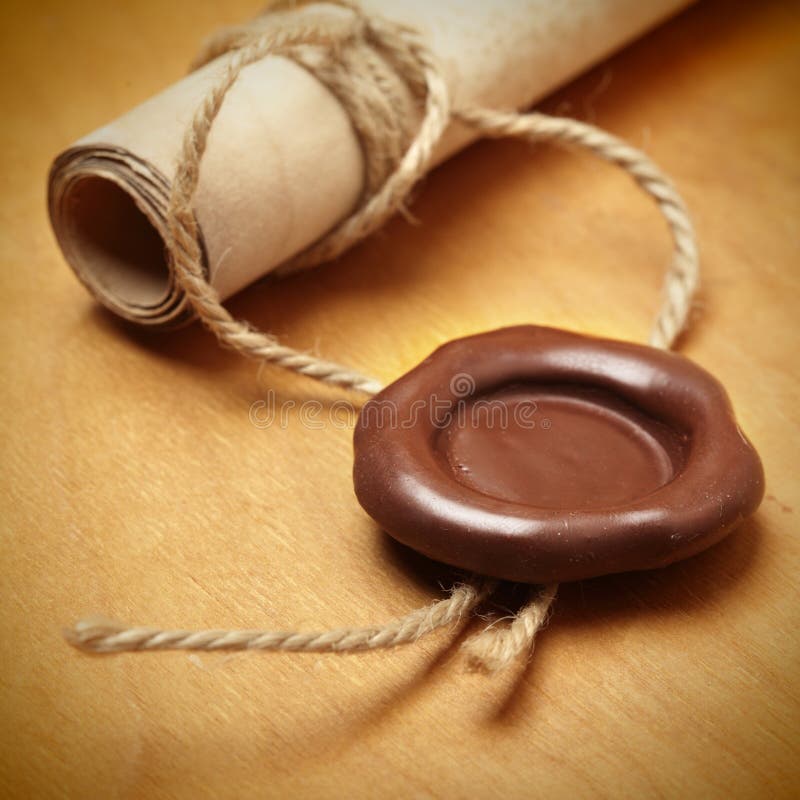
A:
(538, 455)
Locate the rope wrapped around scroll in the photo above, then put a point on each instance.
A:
(372, 65)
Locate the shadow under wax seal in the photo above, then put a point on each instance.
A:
(537, 455)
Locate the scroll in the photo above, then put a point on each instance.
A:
(284, 163)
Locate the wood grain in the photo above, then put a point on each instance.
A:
(134, 484)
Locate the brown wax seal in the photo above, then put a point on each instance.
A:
(537, 455)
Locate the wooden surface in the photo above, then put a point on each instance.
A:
(135, 485)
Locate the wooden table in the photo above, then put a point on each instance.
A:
(134, 483)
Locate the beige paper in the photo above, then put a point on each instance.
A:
(283, 164)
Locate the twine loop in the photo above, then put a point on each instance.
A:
(389, 83)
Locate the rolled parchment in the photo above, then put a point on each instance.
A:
(284, 164)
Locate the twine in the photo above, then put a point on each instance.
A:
(107, 636)
(374, 66)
